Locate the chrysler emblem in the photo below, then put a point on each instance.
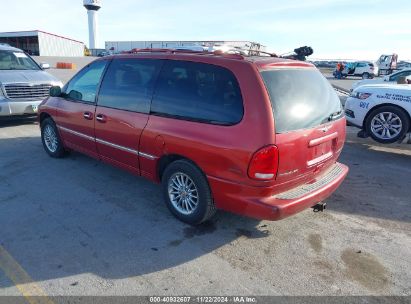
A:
(325, 129)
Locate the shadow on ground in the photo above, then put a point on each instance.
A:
(17, 121)
(64, 217)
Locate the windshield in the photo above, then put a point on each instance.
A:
(301, 98)
(10, 60)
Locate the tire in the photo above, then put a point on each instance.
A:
(199, 205)
(51, 139)
(365, 75)
(390, 118)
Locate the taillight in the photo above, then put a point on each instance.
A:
(264, 163)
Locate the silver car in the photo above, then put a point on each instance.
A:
(23, 83)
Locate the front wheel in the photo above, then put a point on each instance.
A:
(387, 124)
(366, 75)
(187, 193)
(51, 139)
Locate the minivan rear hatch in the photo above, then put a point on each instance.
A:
(308, 119)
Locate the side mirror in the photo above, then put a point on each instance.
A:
(76, 95)
(44, 66)
(55, 91)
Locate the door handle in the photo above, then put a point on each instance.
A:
(101, 118)
(88, 115)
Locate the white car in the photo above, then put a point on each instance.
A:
(364, 69)
(23, 83)
(382, 111)
(393, 78)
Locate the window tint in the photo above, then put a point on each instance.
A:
(10, 60)
(301, 98)
(361, 64)
(128, 84)
(198, 91)
(395, 76)
(83, 86)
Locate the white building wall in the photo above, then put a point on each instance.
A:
(120, 46)
(51, 45)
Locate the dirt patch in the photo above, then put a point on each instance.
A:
(365, 269)
(316, 242)
(325, 271)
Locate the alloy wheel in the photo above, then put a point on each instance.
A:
(50, 138)
(183, 193)
(386, 125)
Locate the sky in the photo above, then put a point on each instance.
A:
(335, 29)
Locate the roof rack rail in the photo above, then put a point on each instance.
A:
(233, 52)
(164, 50)
(248, 52)
(185, 51)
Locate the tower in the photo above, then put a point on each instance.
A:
(92, 7)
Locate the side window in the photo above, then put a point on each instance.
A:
(128, 84)
(83, 86)
(397, 75)
(199, 92)
(361, 65)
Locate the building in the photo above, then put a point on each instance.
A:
(39, 43)
(122, 46)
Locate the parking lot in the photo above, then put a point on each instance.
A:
(76, 226)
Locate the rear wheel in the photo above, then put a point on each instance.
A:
(387, 124)
(51, 139)
(187, 193)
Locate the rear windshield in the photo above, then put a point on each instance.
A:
(301, 98)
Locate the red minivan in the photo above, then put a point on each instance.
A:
(258, 136)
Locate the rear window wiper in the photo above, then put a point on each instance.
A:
(332, 116)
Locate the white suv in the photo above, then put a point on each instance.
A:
(393, 78)
(363, 69)
(23, 83)
(382, 111)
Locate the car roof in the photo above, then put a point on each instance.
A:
(387, 86)
(402, 70)
(5, 47)
(261, 62)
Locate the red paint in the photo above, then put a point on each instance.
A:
(223, 153)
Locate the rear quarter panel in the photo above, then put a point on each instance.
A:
(219, 151)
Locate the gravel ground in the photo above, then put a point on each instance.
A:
(80, 227)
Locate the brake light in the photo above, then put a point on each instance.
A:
(264, 163)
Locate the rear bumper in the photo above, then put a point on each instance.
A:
(11, 108)
(260, 204)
